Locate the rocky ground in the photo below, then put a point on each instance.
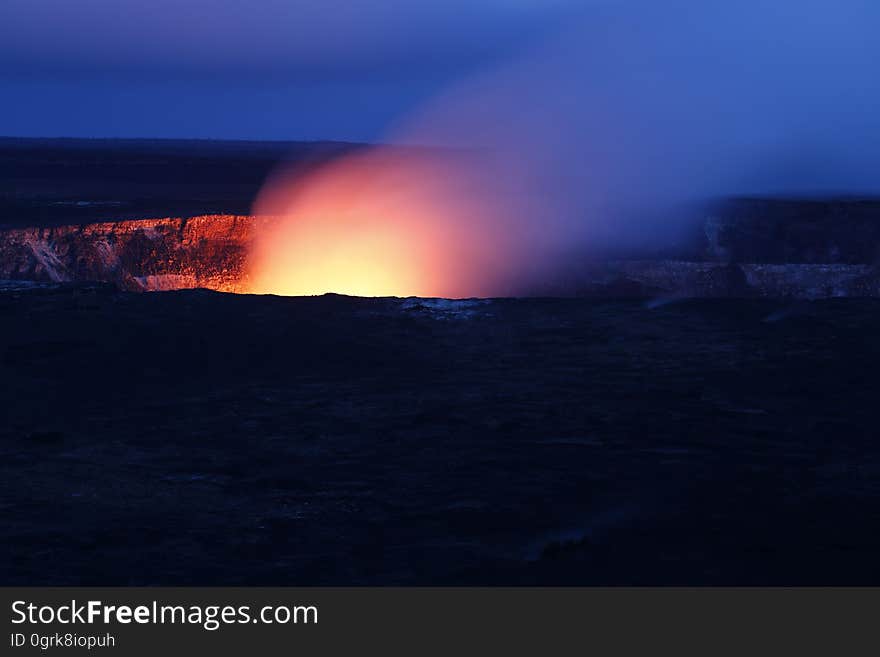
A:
(202, 438)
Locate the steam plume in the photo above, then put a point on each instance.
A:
(592, 141)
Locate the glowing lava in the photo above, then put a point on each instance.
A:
(387, 222)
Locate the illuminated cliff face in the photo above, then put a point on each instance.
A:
(137, 255)
(383, 223)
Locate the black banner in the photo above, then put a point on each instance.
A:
(150, 621)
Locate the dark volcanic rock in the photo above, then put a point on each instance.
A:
(64, 182)
(195, 438)
(677, 278)
(778, 231)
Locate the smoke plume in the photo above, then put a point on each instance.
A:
(588, 143)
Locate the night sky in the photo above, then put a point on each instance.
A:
(705, 95)
(268, 69)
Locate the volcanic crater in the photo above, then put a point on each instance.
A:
(741, 248)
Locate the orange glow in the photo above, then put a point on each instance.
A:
(387, 222)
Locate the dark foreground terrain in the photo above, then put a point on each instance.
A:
(202, 438)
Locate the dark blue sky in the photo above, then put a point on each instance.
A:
(259, 69)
